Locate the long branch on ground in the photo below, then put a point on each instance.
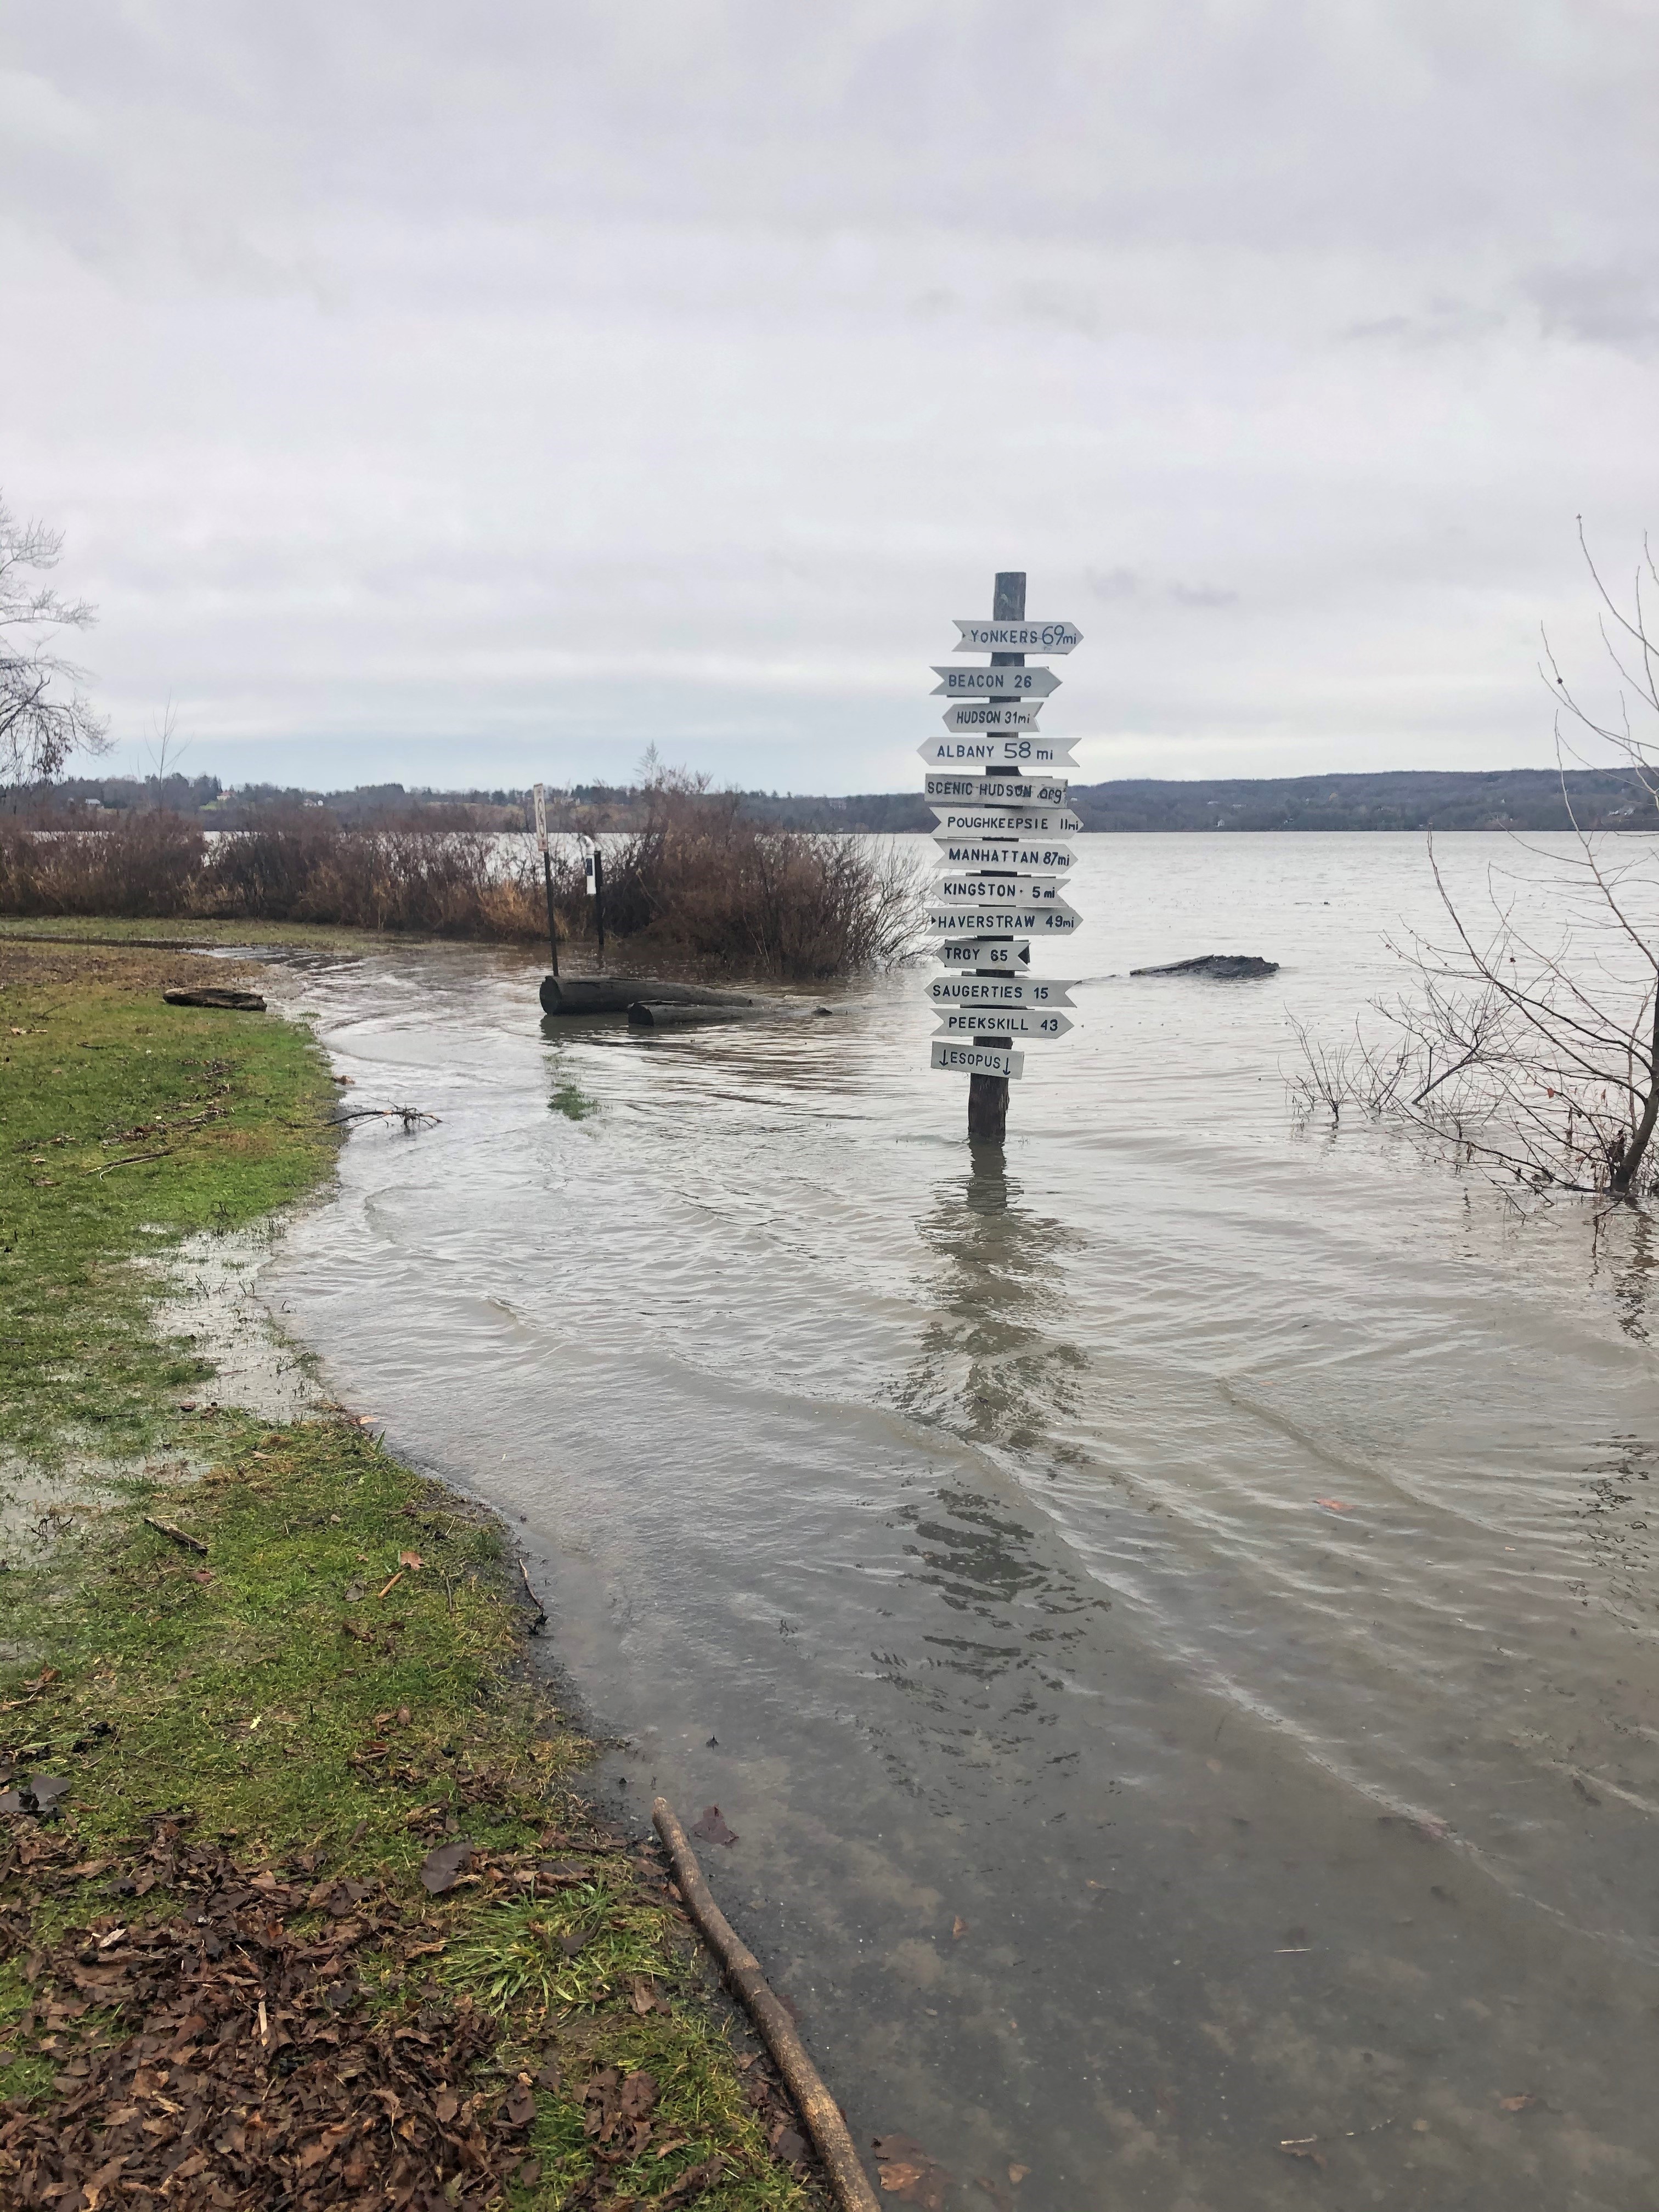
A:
(298, 1900)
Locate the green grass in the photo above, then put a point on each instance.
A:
(341, 1671)
(572, 1101)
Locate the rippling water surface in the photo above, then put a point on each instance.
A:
(1170, 1613)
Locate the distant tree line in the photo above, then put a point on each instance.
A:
(1407, 798)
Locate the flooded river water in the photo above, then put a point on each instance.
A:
(1170, 1615)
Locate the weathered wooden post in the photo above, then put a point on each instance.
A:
(990, 839)
(987, 1095)
(598, 896)
(547, 873)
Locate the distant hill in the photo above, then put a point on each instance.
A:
(1404, 798)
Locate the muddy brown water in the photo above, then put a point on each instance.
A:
(1170, 1615)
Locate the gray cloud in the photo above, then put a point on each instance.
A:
(488, 392)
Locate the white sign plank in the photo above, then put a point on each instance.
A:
(1001, 822)
(1002, 954)
(953, 890)
(978, 636)
(976, 1060)
(1022, 853)
(541, 817)
(1055, 918)
(993, 682)
(1043, 790)
(1010, 1022)
(1038, 755)
(992, 714)
(997, 991)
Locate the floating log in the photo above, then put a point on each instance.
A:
(1226, 966)
(235, 1002)
(614, 994)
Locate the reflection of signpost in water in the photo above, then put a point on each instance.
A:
(987, 775)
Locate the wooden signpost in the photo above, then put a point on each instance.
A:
(998, 791)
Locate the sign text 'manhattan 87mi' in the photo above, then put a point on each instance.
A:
(998, 791)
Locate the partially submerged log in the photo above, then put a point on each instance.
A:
(233, 1001)
(614, 994)
(648, 1014)
(1226, 967)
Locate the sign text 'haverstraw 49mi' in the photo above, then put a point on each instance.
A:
(1000, 790)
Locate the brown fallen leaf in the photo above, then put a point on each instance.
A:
(520, 2106)
(1018, 2173)
(905, 2171)
(409, 1559)
(642, 1997)
(1523, 2102)
(445, 1863)
(1332, 1505)
(959, 1929)
(712, 1827)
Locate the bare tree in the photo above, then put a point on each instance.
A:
(1527, 1039)
(43, 715)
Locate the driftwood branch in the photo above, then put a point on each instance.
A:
(412, 1117)
(816, 2105)
(176, 1535)
(540, 1622)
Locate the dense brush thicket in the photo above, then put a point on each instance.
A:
(702, 881)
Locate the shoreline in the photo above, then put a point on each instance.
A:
(265, 1678)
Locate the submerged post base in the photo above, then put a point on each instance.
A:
(988, 1109)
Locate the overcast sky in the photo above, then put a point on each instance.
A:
(465, 394)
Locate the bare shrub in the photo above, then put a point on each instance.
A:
(1527, 1040)
(705, 879)
(143, 866)
(702, 881)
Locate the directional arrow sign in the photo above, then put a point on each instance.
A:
(992, 714)
(993, 682)
(1010, 1022)
(1005, 954)
(1001, 822)
(1046, 789)
(1054, 919)
(995, 891)
(981, 637)
(976, 1060)
(996, 992)
(1038, 755)
(1012, 853)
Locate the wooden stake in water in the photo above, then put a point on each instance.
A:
(547, 873)
(987, 1095)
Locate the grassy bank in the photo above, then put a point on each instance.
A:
(298, 1903)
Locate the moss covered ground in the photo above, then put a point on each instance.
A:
(282, 1676)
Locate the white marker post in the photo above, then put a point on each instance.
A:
(1000, 861)
(547, 872)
